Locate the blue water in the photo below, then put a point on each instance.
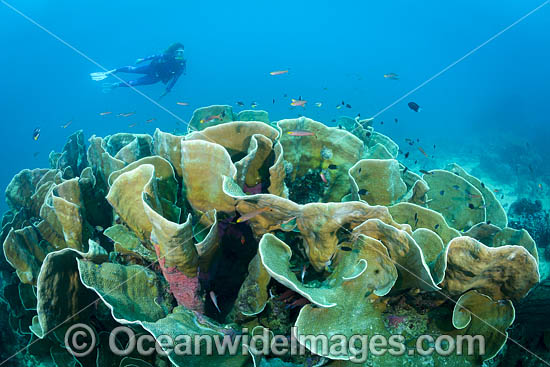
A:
(335, 50)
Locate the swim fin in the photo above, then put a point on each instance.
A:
(107, 87)
(102, 75)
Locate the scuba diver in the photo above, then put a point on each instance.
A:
(166, 67)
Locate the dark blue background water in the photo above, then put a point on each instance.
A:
(335, 50)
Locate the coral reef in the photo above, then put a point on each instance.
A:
(243, 225)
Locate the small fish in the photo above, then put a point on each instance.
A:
(423, 171)
(496, 190)
(36, 134)
(127, 114)
(381, 122)
(318, 104)
(502, 197)
(488, 222)
(219, 116)
(348, 105)
(251, 215)
(540, 186)
(273, 100)
(456, 187)
(254, 105)
(396, 120)
(243, 240)
(442, 192)
(323, 178)
(482, 185)
(414, 106)
(67, 124)
(278, 72)
(474, 196)
(407, 155)
(332, 166)
(415, 219)
(346, 248)
(303, 274)
(300, 133)
(150, 120)
(363, 192)
(239, 103)
(368, 134)
(423, 152)
(434, 146)
(133, 125)
(99, 228)
(298, 102)
(182, 103)
(471, 206)
(391, 76)
(105, 113)
(35, 154)
(436, 226)
(215, 300)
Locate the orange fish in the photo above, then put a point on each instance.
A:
(210, 118)
(496, 190)
(67, 124)
(251, 215)
(473, 196)
(323, 178)
(298, 102)
(182, 103)
(150, 120)
(104, 113)
(300, 133)
(213, 117)
(423, 152)
(278, 72)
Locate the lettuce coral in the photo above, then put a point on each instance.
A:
(245, 224)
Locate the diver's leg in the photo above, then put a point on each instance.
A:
(144, 80)
(143, 69)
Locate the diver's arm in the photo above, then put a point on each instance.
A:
(173, 81)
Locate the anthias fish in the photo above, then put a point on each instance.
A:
(298, 102)
(213, 117)
(300, 133)
(251, 215)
